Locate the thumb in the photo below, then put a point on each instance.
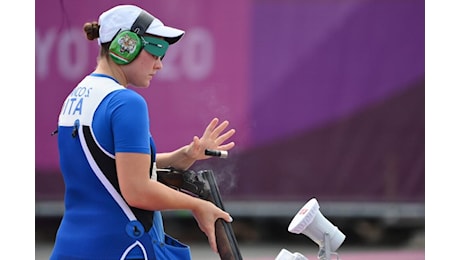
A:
(229, 219)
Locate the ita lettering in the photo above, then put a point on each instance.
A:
(74, 103)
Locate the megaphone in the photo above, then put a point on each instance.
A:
(310, 222)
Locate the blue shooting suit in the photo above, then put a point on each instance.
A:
(99, 118)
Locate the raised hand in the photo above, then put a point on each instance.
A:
(213, 138)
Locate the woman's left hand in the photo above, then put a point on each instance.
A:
(213, 138)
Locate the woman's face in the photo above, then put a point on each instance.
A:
(140, 72)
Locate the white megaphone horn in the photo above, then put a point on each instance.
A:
(310, 222)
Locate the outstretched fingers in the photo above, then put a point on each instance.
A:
(222, 138)
(211, 127)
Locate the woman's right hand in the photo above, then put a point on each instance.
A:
(206, 214)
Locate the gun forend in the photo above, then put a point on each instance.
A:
(227, 244)
(204, 185)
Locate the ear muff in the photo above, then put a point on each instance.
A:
(125, 47)
(127, 44)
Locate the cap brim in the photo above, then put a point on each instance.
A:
(155, 46)
(170, 34)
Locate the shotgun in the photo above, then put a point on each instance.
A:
(202, 184)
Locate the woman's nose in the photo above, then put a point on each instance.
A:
(158, 64)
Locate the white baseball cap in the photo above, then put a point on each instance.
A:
(122, 17)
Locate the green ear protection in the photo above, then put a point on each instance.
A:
(127, 44)
(125, 47)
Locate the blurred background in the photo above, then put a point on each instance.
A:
(327, 97)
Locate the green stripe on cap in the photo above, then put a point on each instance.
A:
(155, 46)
